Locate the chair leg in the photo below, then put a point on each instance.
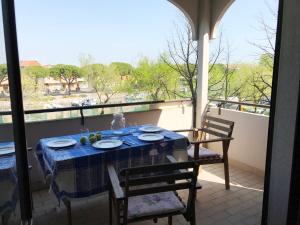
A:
(200, 187)
(110, 207)
(5, 218)
(118, 218)
(169, 220)
(226, 164)
(226, 173)
(67, 203)
(193, 220)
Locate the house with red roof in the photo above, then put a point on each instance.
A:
(27, 63)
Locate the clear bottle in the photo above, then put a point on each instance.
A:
(118, 121)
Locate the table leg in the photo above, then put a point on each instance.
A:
(5, 217)
(67, 203)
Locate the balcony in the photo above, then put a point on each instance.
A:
(215, 205)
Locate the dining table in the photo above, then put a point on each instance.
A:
(80, 170)
(8, 181)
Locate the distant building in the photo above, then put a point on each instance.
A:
(54, 85)
(27, 63)
(50, 84)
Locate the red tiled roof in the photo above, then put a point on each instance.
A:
(27, 63)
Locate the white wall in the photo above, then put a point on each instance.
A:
(250, 138)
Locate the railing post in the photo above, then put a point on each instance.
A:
(81, 117)
(240, 107)
(219, 108)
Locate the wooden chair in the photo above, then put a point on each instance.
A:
(149, 192)
(220, 130)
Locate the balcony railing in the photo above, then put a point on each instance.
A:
(241, 106)
(80, 110)
(84, 111)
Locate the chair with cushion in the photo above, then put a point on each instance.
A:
(219, 130)
(150, 192)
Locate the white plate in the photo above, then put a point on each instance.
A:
(150, 129)
(61, 143)
(7, 150)
(150, 137)
(106, 144)
(118, 132)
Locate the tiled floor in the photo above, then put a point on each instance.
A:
(239, 206)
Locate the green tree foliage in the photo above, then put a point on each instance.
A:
(123, 69)
(267, 60)
(36, 72)
(28, 89)
(241, 82)
(226, 82)
(104, 80)
(66, 73)
(262, 80)
(156, 79)
(3, 73)
(215, 80)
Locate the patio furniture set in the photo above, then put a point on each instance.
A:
(134, 165)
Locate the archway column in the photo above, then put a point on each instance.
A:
(203, 58)
(204, 17)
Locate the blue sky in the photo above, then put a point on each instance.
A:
(56, 31)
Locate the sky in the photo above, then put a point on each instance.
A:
(56, 31)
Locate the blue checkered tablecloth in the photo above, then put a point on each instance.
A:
(8, 182)
(80, 171)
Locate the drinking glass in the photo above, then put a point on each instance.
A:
(84, 131)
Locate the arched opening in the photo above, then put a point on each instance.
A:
(190, 13)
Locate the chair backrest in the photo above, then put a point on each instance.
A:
(162, 178)
(218, 127)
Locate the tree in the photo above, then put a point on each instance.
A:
(262, 78)
(3, 73)
(122, 68)
(67, 73)
(85, 60)
(215, 72)
(104, 80)
(230, 86)
(156, 79)
(182, 57)
(225, 81)
(28, 89)
(36, 72)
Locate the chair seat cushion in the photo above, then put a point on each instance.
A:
(204, 153)
(154, 204)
